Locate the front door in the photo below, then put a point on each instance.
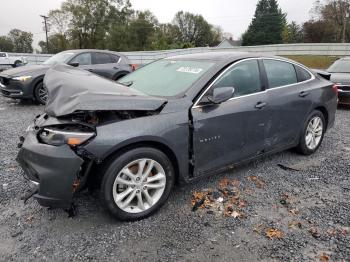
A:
(233, 130)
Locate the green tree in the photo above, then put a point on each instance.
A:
(193, 29)
(6, 44)
(22, 41)
(292, 33)
(267, 25)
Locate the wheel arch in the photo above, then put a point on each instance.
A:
(324, 111)
(120, 74)
(35, 83)
(164, 148)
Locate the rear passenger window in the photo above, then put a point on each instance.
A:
(102, 58)
(302, 74)
(244, 77)
(114, 58)
(280, 73)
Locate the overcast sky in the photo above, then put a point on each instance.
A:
(233, 16)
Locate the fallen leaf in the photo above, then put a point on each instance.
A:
(224, 183)
(324, 257)
(314, 232)
(332, 232)
(235, 214)
(294, 224)
(294, 211)
(30, 219)
(273, 233)
(241, 204)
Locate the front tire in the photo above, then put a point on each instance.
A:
(137, 183)
(41, 93)
(313, 133)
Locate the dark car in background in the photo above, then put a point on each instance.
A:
(174, 120)
(27, 82)
(340, 75)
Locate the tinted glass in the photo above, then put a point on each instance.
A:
(82, 59)
(114, 58)
(244, 77)
(2, 55)
(340, 66)
(280, 73)
(166, 77)
(101, 58)
(302, 74)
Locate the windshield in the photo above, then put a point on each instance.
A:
(58, 58)
(340, 66)
(166, 77)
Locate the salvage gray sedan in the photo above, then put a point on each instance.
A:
(175, 120)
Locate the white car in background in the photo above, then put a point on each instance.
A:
(14, 61)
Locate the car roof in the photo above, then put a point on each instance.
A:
(216, 56)
(76, 51)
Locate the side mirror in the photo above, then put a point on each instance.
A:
(74, 64)
(221, 94)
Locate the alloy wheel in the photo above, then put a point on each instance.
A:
(314, 133)
(139, 185)
(42, 93)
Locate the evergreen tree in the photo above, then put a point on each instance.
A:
(267, 25)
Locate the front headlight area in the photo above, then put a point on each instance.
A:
(72, 135)
(22, 78)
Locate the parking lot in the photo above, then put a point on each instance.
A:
(299, 211)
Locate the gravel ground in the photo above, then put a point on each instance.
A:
(306, 213)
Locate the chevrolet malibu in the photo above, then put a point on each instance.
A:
(174, 120)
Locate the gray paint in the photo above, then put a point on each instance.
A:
(208, 139)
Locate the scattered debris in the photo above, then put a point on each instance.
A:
(273, 233)
(5, 186)
(284, 167)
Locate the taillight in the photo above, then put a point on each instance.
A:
(335, 89)
(133, 67)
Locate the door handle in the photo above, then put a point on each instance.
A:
(114, 67)
(260, 105)
(303, 94)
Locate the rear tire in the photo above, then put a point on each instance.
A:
(312, 135)
(131, 192)
(40, 93)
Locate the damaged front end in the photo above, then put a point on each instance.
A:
(48, 155)
(53, 153)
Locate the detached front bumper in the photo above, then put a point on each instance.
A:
(52, 168)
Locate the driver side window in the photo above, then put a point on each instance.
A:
(244, 77)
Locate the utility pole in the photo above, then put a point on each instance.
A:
(345, 21)
(47, 38)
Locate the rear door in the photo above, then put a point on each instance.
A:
(235, 129)
(288, 101)
(105, 64)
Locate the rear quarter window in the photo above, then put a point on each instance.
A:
(280, 73)
(302, 74)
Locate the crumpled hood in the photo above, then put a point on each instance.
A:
(341, 78)
(72, 89)
(25, 70)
